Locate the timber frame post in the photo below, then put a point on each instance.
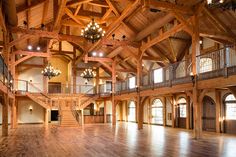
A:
(139, 102)
(113, 93)
(195, 53)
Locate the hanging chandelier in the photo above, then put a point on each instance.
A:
(88, 74)
(222, 4)
(50, 72)
(92, 32)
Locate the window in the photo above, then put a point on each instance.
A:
(157, 112)
(230, 107)
(158, 75)
(132, 111)
(132, 83)
(182, 108)
(205, 65)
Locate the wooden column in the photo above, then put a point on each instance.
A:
(164, 111)
(45, 79)
(46, 117)
(195, 53)
(126, 111)
(218, 110)
(113, 93)
(187, 112)
(139, 103)
(97, 81)
(149, 110)
(173, 111)
(74, 70)
(82, 117)
(5, 103)
(13, 114)
(105, 111)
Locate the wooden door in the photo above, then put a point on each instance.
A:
(54, 87)
(208, 114)
(181, 116)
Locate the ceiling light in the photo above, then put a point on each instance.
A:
(200, 42)
(92, 32)
(30, 47)
(88, 74)
(94, 54)
(100, 54)
(38, 48)
(50, 72)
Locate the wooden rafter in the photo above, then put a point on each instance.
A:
(162, 37)
(113, 8)
(30, 53)
(61, 12)
(33, 4)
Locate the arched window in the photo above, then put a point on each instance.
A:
(230, 107)
(182, 108)
(132, 111)
(157, 112)
(206, 65)
(158, 75)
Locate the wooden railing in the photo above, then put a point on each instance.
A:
(5, 75)
(220, 63)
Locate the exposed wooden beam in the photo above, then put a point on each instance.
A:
(75, 3)
(25, 7)
(160, 22)
(113, 26)
(70, 14)
(22, 60)
(126, 70)
(168, 6)
(2, 20)
(51, 35)
(217, 35)
(119, 43)
(162, 37)
(98, 59)
(113, 8)
(99, 4)
(60, 13)
(30, 53)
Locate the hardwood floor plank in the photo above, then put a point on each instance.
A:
(104, 140)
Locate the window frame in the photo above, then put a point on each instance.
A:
(229, 102)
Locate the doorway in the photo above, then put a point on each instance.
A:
(54, 115)
(209, 114)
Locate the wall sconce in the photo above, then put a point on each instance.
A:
(30, 109)
(137, 88)
(192, 78)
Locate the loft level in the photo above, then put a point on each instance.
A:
(220, 63)
(6, 79)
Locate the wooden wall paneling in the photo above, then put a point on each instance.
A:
(218, 110)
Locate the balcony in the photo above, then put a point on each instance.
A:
(220, 63)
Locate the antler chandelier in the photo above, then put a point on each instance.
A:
(50, 72)
(92, 32)
(222, 4)
(88, 74)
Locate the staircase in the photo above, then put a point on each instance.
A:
(67, 118)
(88, 101)
(38, 99)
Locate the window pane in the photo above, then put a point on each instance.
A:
(158, 75)
(230, 98)
(131, 82)
(157, 112)
(230, 111)
(131, 116)
(182, 110)
(205, 65)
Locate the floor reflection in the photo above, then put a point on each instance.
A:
(107, 140)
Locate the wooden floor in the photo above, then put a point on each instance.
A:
(104, 140)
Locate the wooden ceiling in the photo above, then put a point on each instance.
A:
(157, 31)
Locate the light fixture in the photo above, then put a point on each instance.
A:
(94, 54)
(30, 109)
(30, 47)
(92, 32)
(88, 74)
(222, 4)
(100, 54)
(200, 42)
(192, 77)
(50, 72)
(38, 48)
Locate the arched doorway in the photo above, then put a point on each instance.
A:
(132, 112)
(230, 114)
(157, 112)
(208, 114)
(182, 112)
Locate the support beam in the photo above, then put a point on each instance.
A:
(5, 105)
(162, 37)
